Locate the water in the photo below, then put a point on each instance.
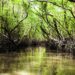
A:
(35, 61)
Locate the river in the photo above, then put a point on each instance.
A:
(36, 61)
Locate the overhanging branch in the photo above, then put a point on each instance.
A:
(19, 23)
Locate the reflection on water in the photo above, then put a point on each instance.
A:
(36, 62)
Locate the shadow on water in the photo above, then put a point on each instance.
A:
(36, 62)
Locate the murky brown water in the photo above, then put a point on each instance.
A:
(36, 62)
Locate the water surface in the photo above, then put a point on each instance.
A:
(35, 61)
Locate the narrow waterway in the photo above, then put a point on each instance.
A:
(35, 61)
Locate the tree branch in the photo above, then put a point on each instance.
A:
(19, 23)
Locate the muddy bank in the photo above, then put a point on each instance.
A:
(63, 46)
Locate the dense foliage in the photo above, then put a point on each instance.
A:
(36, 19)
